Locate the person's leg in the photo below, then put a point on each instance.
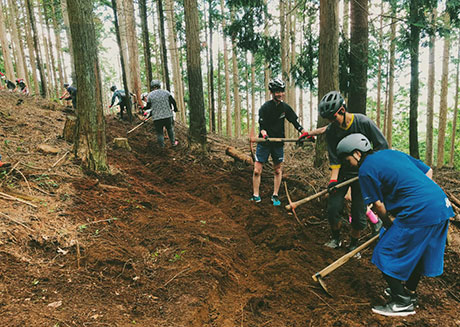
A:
(256, 177)
(170, 130)
(334, 210)
(122, 109)
(277, 177)
(414, 279)
(358, 214)
(159, 131)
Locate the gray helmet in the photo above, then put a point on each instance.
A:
(66, 85)
(351, 143)
(276, 84)
(155, 84)
(330, 104)
(113, 88)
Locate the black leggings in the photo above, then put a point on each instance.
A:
(397, 286)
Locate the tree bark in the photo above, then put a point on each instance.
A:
(21, 70)
(228, 105)
(133, 53)
(328, 65)
(236, 84)
(31, 16)
(146, 40)
(90, 140)
(9, 70)
(358, 56)
(123, 44)
(414, 43)
(454, 122)
(65, 17)
(379, 68)
(164, 54)
(30, 48)
(430, 97)
(391, 73)
(443, 98)
(197, 130)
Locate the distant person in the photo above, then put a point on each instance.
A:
(160, 106)
(10, 85)
(22, 86)
(4, 165)
(413, 243)
(122, 99)
(2, 82)
(70, 94)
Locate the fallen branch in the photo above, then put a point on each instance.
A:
(238, 156)
(13, 198)
(17, 222)
(453, 199)
(27, 182)
(65, 154)
(14, 167)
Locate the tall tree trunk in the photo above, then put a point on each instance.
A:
(219, 93)
(123, 32)
(391, 73)
(9, 70)
(53, 67)
(414, 41)
(236, 83)
(146, 40)
(212, 109)
(57, 30)
(430, 96)
(228, 104)
(164, 55)
(253, 92)
(328, 64)
(30, 48)
(358, 56)
(65, 18)
(122, 57)
(31, 16)
(379, 68)
(133, 52)
(195, 80)
(47, 58)
(267, 71)
(443, 98)
(176, 69)
(15, 38)
(90, 141)
(454, 122)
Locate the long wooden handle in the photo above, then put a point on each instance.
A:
(271, 139)
(132, 130)
(294, 205)
(340, 261)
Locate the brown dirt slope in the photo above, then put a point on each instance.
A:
(170, 239)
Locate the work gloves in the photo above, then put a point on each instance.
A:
(331, 185)
(305, 137)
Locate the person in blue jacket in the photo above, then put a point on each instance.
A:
(413, 243)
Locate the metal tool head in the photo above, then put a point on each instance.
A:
(321, 282)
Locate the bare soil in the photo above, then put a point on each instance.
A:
(169, 238)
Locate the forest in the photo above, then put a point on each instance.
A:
(100, 225)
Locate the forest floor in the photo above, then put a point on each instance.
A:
(170, 238)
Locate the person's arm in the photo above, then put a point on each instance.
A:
(172, 102)
(318, 131)
(429, 173)
(114, 97)
(379, 208)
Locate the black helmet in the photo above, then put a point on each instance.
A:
(155, 84)
(276, 85)
(351, 143)
(113, 88)
(66, 85)
(330, 104)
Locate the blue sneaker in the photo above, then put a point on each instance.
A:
(255, 198)
(276, 201)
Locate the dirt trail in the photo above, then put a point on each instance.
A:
(170, 239)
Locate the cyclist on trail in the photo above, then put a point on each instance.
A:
(342, 123)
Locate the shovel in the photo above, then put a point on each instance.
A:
(132, 130)
(318, 277)
(294, 205)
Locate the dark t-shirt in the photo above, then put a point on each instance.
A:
(359, 124)
(272, 115)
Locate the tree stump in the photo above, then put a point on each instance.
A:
(121, 143)
(70, 128)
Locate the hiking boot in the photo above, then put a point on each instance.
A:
(276, 201)
(400, 306)
(255, 198)
(334, 243)
(413, 295)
